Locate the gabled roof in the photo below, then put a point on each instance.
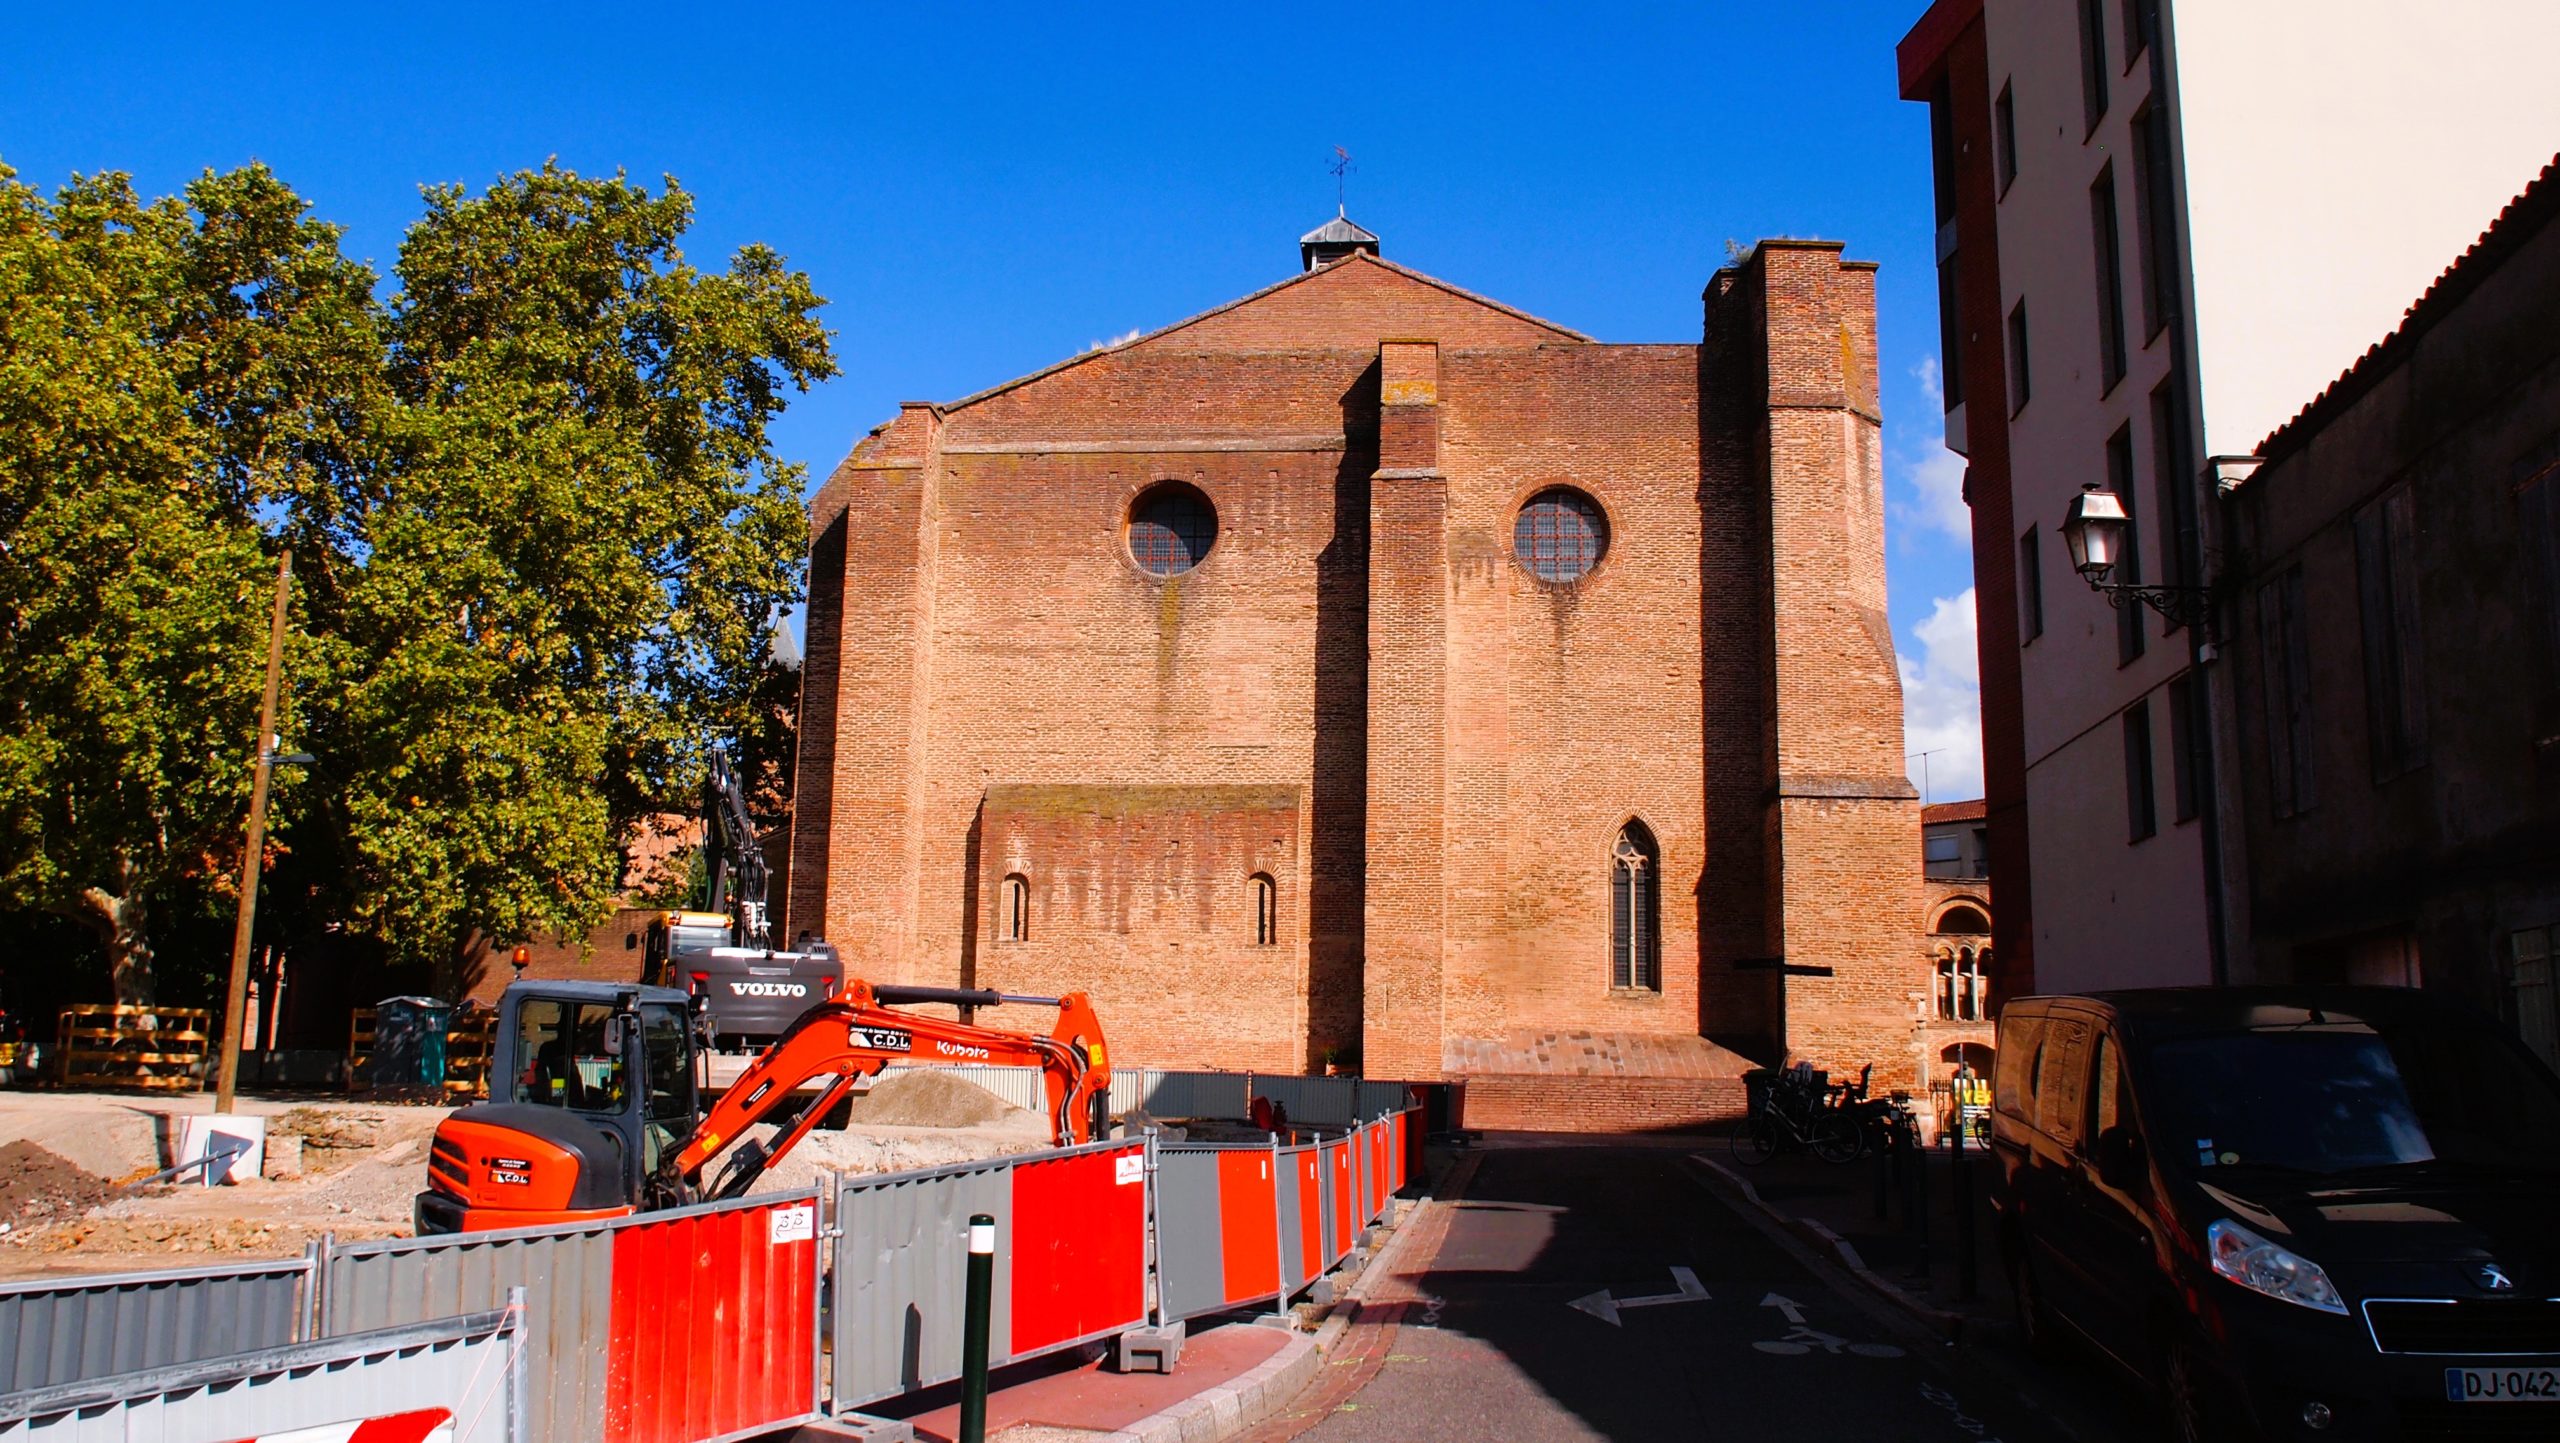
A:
(1357, 258)
(2523, 219)
(1341, 230)
(1937, 812)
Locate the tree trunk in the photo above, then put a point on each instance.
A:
(120, 921)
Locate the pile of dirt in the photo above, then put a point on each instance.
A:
(330, 1136)
(39, 1186)
(923, 1097)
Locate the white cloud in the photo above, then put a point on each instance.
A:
(1122, 339)
(1933, 476)
(1942, 702)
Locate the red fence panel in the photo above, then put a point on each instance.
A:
(1248, 1224)
(1079, 1247)
(1376, 1136)
(1311, 1228)
(714, 1323)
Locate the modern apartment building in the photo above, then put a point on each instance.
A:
(2162, 230)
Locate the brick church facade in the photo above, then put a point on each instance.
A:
(1366, 671)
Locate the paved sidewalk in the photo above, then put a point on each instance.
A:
(1087, 1399)
(1833, 1206)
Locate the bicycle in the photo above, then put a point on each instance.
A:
(1785, 1116)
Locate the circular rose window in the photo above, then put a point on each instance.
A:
(1171, 528)
(1560, 535)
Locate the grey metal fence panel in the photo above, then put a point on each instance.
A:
(1162, 1093)
(901, 1260)
(1288, 1167)
(1190, 1252)
(1378, 1099)
(62, 1331)
(1024, 1087)
(1324, 1102)
(462, 1365)
(567, 1275)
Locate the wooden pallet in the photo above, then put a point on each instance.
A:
(160, 1049)
(360, 1050)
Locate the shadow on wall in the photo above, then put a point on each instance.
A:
(1337, 859)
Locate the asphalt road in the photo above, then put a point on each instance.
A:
(1488, 1342)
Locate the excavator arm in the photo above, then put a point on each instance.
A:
(854, 1035)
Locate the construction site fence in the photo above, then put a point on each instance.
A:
(1314, 1102)
(69, 1330)
(471, 1369)
(700, 1324)
(665, 1327)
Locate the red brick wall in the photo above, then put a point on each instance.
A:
(1142, 897)
(1510, 1101)
(999, 687)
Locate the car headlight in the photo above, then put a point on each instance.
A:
(2262, 1267)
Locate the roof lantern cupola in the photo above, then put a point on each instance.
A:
(1333, 240)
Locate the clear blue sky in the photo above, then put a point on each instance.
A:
(982, 190)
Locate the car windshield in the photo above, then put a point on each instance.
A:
(2333, 1097)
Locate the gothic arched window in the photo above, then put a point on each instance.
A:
(1964, 993)
(1635, 910)
(1013, 917)
(1266, 910)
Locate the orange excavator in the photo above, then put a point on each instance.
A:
(599, 1117)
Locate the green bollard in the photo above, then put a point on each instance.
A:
(974, 1325)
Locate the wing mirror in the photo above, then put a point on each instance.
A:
(2119, 1157)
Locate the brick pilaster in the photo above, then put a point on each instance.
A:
(1406, 906)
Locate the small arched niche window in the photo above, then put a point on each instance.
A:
(1635, 910)
(1013, 909)
(1963, 920)
(1266, 910)
(1964, 992)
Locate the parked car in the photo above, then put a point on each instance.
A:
(2298, 1213)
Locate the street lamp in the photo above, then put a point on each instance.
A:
(2094, 529)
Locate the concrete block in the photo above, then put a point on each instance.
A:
(1151, 1350)
(855, 1428)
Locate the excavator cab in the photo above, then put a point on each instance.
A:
(592, 1086)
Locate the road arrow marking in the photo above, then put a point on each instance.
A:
(1788, 1306)
(1600, 1305)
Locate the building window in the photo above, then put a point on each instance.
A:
(1171, 528)
(1266, 911)
(1950, 322)
(2173, 470)
(1964, 994)
(2018, 371)
(2004, 137)
(2535, 474)
(2093, 61)
(1013, 917)
(2186, 734)
(2531, 998)
(1635, 910)
(2387, 596)
(2128, 572)
(2284, 671)
(1560, 535)
(2030, 587)
(2110, 255)
(1963, 920)
(2155, 219)
(2141, 18)
(2141, 815)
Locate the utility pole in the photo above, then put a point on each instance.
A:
(226, 1082)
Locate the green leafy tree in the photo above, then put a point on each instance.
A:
(537, 523)
(577, 544)
(166, 372)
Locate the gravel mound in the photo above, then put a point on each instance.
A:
(37, 1185)
(923, 1097)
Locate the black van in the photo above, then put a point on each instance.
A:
(2298, 1212)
